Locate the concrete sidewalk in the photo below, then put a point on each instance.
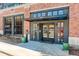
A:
(17, 51)
(48, 49)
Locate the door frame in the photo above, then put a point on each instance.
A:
(54, 21)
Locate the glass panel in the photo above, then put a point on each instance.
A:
(18, 25)
(34, 31)
(8, 25)
(51, 31)
(45, 31)
(60, 31)
(62, 25)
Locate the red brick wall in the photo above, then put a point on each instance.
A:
(74, 20)
(27, 17)
(73, 15)
(39, 6)
(14, 11)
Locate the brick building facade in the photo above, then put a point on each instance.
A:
(26, 10)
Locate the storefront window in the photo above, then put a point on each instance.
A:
(18, 24)
(13, 24)
(8, 25)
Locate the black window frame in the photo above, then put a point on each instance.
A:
(13, 16)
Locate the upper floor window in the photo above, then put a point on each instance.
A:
(7, 5)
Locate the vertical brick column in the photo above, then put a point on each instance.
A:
(74, 20)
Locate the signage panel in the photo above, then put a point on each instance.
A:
(53, 13)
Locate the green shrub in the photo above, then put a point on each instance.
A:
(65, 46)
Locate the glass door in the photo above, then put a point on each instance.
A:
(48, 32)
(60, 32)
(34, 31)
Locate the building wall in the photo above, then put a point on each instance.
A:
(73, 16)
(74, 20)
(73, 24)
(41, 6)
(14, 11)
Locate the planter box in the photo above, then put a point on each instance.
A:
(74, 51)
(65, 46)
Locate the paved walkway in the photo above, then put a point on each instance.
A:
(13, 50)
(48, 49)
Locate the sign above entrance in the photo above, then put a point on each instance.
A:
(52, 13)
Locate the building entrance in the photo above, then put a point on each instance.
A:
(54, 32)
(48, 32)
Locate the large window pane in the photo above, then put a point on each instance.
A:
(8, 25)
(18, 25)
(13, 24)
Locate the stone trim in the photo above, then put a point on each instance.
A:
(73, 41)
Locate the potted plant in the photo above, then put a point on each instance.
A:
(23, 40)
(65, 46)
